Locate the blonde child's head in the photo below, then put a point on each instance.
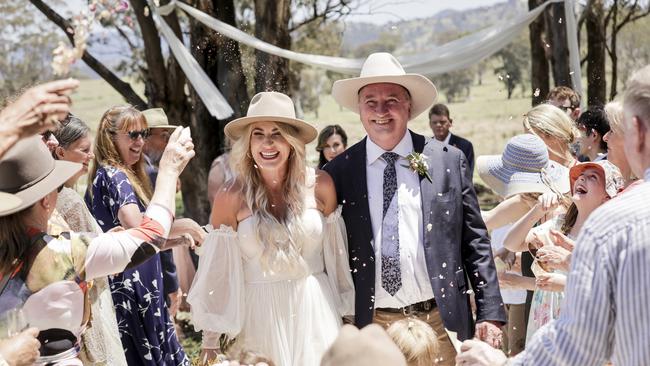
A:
(417, 341)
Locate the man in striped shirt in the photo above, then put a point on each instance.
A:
(605, 316)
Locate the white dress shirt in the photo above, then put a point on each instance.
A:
(446, 140)
(415, 280)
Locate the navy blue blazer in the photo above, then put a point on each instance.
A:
(456, 248)
(466, 147)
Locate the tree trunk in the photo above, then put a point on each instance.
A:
(221, 59)
(272, 26)
(539, 64)
(596, 83)
(559, 52)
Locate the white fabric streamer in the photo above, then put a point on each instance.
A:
(208, 92)
(456, 55)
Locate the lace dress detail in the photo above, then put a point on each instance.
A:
(101, 341)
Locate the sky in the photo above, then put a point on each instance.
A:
(384, 11)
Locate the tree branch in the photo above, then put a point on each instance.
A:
(97, 66)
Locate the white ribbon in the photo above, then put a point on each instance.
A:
(205, 88)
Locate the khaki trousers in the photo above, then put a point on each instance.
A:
(447, 354)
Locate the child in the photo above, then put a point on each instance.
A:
(417, 341)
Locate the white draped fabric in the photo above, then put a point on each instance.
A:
(455, 55)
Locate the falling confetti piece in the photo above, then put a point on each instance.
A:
(536, 93)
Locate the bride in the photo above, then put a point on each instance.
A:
(274, 272)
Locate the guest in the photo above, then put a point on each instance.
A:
(117, 194)
(440, 123)
(332, 140)
(598, 322)
(55, 269)
(35, 111)
(101, 342)
(615, 139)
(220, 172)
(556, 129)
(592, 184)
(159, 132)
(593, 124)
(274, 272)
(566, 99)
(406, 238)
(417, 341)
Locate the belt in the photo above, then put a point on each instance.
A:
(422, 306)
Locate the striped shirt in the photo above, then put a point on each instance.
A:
(605, 315)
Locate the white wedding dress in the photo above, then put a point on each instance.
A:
(291, 318)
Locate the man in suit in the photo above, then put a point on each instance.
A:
(440, 123)
(413, 243)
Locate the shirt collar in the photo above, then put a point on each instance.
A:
(446, 141)
(403, 148)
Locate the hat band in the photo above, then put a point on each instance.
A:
(31, 183)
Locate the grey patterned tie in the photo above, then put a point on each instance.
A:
(391, 275)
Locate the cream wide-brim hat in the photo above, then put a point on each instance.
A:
(382, 67)
(271, 107)
(29, 172)
(157, 118)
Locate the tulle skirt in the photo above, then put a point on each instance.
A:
(293, 322)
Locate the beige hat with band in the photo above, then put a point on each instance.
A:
(29, 172)
(271, 107)
(382, 67)
(157, 118)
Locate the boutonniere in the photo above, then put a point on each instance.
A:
(418, 164)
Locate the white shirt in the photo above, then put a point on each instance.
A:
(415, 280)
(446, 140)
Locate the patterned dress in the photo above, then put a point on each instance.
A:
(146, 329)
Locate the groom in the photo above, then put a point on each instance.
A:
(413, 243)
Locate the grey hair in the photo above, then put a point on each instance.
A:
(71, 130)
(637, 95)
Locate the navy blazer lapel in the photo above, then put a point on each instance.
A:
(418, 146)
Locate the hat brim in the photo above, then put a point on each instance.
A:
(423, 92)
(507, 182)
(167, 127)
(8, 201)
(236, 128)
(63, 170)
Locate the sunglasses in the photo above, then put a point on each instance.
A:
(133, 135)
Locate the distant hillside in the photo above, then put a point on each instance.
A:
(422, 33)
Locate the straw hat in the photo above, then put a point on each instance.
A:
(613, 179)
(156, 118)
(271, 107)
(382, 67)
(29, 172)
(524, 167)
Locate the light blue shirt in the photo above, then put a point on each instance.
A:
(606, 313)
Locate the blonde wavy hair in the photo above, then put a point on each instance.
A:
(546, 120)
(282, 236)
(120, 119)
(417, 341)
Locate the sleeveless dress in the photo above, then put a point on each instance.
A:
(146, 329)
(291, 318)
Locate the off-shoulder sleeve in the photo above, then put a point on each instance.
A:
(337, 266)
(217, 293)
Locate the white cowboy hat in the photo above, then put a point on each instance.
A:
(156, 118)
(382, 67)
(271, 107)
(524, 167)
(29, 172)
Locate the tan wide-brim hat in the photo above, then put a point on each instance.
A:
(382, 67)
(157, 118)
(271, 107)
(29, 172)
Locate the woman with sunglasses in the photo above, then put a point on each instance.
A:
(50, 275)
(592, 184)
(118, 192)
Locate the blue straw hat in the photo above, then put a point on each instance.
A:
(524, 167)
